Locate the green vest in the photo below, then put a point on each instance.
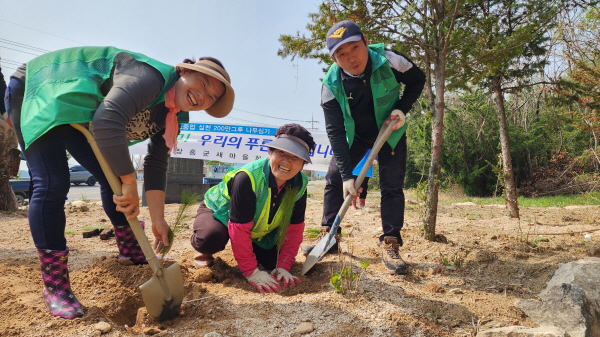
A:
(384, 87)
(217, 198)
(63, 87)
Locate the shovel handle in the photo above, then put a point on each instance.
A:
(384, 133)
(115, 185)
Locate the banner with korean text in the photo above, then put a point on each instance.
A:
(236, 144)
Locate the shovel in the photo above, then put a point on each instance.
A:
(329, 240)
(163, 293)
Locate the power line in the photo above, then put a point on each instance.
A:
(22, 45)
(9, 68)
(245, 120)
(285, 119)
(12, 62)
(20, 51)
(43, 31)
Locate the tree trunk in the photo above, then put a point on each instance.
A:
(510, 187)
(437, 138)
(9, 166)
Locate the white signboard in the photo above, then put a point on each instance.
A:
(238, 144)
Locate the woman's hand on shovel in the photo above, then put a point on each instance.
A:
(129, 201)
(160, 229)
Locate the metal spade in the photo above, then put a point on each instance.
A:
(329, 240)
(163, 293)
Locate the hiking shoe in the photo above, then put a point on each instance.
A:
(324, 231)
(390, 256)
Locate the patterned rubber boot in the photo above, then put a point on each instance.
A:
(57, 292)
(130, 252)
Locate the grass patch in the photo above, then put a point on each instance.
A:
(91, 228)
(71, 232)
(584, 199)
(312, 233)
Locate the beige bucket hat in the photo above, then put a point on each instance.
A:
(224, 104)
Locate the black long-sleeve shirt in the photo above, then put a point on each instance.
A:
(362, 108)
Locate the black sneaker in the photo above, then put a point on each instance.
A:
(390, 256)
(324, 231)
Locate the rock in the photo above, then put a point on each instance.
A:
(580, 207)
(481, 256)
(143, 321)
(434, 288)
(79, 206)
(202, 275)
(464, 204)
(304, 328)
(523, 331)
(571, 300)
(562, 306)
(152, 331)
(103, 327)
(456, 291)
(213, 334)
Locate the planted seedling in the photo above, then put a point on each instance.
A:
(188, 199)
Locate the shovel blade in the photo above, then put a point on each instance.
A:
(163, 294)
(319, 251)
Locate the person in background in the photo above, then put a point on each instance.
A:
(2, 90)
(122, 97)
(260, 208)
(366, 85)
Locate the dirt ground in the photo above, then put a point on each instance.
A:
(466, 284)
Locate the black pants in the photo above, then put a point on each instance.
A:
(210, 236)
(392, 169)
(48, 164)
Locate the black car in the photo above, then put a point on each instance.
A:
(80, 175)
(20, 187)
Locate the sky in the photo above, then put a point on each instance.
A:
(270, 91)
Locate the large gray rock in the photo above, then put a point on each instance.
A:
(584, 273)
(523, 331)
(571, 299)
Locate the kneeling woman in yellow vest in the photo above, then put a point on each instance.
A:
(260, 208)
(122, 97)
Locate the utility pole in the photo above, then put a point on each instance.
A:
(313, 122)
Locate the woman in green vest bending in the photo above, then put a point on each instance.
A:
(260, 207)
(121, 97)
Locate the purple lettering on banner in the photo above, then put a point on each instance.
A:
(324, 153)
(234, 141)
(205, 139)
(221, 140)
(252, 142)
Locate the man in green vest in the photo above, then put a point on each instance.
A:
(360, 91)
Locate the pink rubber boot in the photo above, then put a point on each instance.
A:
(57, 292)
